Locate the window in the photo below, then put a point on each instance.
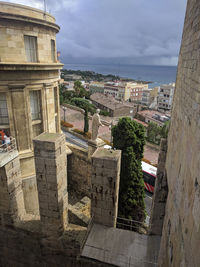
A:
(4, 120)
(53, 51)
(55, 100)
(35, 105)
(30, 43)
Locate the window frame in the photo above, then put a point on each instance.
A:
(53, 50)
(31, 52)
(36, 105)
(5, 108)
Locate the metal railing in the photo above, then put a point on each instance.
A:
(129, 224)
(8, 147)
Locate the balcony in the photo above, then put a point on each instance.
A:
(8, 152)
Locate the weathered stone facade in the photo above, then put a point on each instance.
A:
(181, 231)
(21, 76)
(160, 193)
(105, 186)
(11, 195)
(79, 170)
(51, 176)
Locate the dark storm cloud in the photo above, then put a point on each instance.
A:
(126, 31)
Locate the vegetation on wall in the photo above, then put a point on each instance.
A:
(129, 136)
(155, 132)
(86, 122)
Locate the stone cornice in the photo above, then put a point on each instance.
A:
(27, 19)
(16, 86)
(30, 66)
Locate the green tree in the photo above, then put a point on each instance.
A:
(129, 136)
(83, 103)
(86, 123)
(154, 133)
(61, 93)
(77, 87)
(165, 129)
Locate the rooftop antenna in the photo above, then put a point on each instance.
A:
(45, 8)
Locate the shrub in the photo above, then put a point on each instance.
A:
(67, 124)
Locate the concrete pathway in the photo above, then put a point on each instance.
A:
(72, 139)
(121, 248)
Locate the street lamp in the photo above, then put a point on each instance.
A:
(131, 112)
(64, 110)
(110, 127)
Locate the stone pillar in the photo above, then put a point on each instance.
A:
(51, 176)
(105, 186)
(93, 145)
(11, 194)
(19, 111)
(160, 193)
(50, 109)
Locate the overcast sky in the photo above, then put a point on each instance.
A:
(117, 31)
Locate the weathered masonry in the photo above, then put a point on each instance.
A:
(29, 78)
(181, 231)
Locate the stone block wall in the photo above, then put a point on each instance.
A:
(105, 186)
(160, 193)
(51, 176)
(21, 248)
(181, 230)
(79, 170)
(11, 194)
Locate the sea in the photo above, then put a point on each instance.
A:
(157, 75)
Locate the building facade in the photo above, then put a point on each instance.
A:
(165, 96)
(96, 87)
(111, 89)
(111, 105)
(136, 91)
(146, 98)
(29, 80)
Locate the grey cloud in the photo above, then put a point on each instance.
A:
(118, 30)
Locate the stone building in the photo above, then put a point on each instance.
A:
(29, 79)
(96, 87)
(111, 105)
(181, 231)
(165, 97)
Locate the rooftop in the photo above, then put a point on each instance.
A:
(108, 101)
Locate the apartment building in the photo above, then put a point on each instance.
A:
(165, 96)
(112, 89)
(136, 91)
(96, 87)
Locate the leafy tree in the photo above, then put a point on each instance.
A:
(165, 129)
(153, 133)
(61, 92)
(78, 87)
(84, 104)
(86, 123)
(129, 136)
(104, 113)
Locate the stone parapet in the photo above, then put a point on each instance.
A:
(11, 194)
(51, 176)
(93, 145)
(105, 186)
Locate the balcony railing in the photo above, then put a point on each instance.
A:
(8, 147)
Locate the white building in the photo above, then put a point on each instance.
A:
(165, 96)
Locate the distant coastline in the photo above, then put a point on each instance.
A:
(156, 74)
